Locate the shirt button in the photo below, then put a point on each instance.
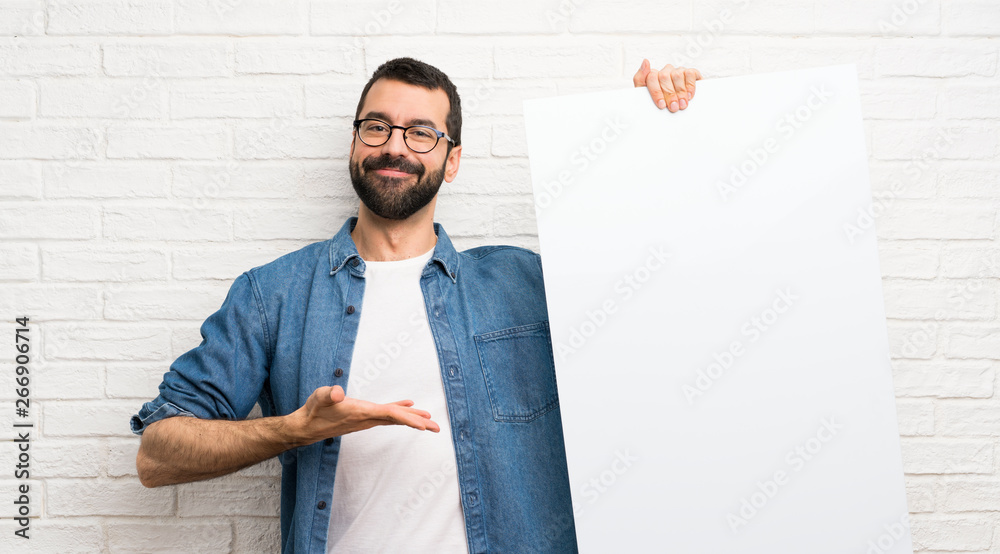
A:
(452, 274)
(328, 441)
(473, 499)
(338, 372)
(321, 505)
(461, 435)
(354, 262)
(451, 371)
(350, 309)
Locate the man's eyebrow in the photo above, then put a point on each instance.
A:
(414, 121)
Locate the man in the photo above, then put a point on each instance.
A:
(387, 308)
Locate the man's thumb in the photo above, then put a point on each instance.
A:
(337, 394)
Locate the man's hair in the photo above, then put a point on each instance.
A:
(415, 72)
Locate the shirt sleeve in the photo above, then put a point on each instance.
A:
(222, 377)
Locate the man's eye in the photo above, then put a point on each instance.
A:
(377, 128)
(421, 133)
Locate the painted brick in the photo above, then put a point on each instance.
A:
(943, 379)
(20, 180)
(119, 179)
(53, 141)
(49, 221)
(237, 100)
(17, 99)
(970, 17)
(118, 99)
(565, 58)
(746, 16)
(242, 18)
(907, 299)
(68, 457)
(913, 339)
(110, 17)
(968, 101)
(282, 137)
(947, 456)
(160, 141)
(909, 219)
(142, 303)
(133, 380)
(292, 222)
(492, 178)
(107, 497)
(182, 537)
(177, 58)
(903, 259)
(916, 417)
(969, 181)
(935, 58)
(379, 17)
(52, 302)
(951, 533)
(257, 535)
(167, 223)
(49, 57)
(22, 18)
(88, 418)
(241, 179)
(899, 18)
(458, 57)
(229, 496)
(18, 262)
(514, 16)
(213, 262)
(971, 262)
(102, 263)
(974, 342)
(75, 341)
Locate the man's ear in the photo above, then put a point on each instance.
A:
(451, 165)
(350, 153)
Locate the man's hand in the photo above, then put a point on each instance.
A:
(183, 449)
(329, 413)
(671, 87)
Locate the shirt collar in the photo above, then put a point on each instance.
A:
(344, 253)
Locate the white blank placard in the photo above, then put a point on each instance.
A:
(716, 313)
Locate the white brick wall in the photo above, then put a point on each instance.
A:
(150, 151)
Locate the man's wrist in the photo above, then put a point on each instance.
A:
(292, 430)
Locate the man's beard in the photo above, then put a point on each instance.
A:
(386, 196)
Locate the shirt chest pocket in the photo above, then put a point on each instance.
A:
(519, 371)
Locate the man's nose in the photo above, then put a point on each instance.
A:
(395, 146)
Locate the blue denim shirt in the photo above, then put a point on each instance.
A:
(288, 327)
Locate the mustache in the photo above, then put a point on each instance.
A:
(389, 162)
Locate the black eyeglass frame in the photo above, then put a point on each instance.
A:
(439, 134)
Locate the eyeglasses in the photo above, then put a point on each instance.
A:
(419, 138)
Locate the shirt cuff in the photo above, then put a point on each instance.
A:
(152, 412)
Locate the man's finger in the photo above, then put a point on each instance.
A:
(669, 94)
(677, 78)
(639, 79)
(336, 394)
(418, 419)
(322, 396)
(653, 84)
(690, 76)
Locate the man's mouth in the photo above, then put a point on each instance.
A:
(392, 172)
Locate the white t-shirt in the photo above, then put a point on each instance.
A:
(396, 488)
